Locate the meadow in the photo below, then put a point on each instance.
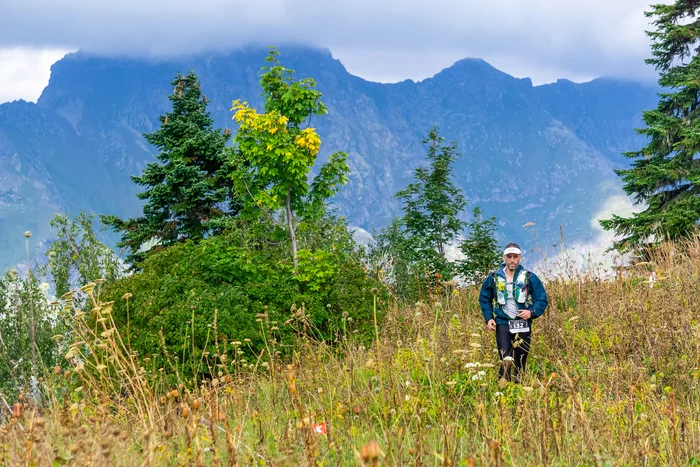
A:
(612, 380)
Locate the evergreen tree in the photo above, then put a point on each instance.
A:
(187, 188)
(431, 207)
(666, 174)
(480, 248)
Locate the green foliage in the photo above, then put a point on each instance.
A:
(22, 299)
(188, 187)
(76, 256)
(480, 249)
(411, 250)
(202, 295)
(274, 155)
(432, 203)
(666, 173)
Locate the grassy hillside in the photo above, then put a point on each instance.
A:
(612, 380)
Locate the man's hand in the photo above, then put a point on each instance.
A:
(524, 314)
(491, 325)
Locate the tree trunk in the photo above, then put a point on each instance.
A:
(292, 234)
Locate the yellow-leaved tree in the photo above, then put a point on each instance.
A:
(274, 152)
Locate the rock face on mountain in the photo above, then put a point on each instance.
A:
(542, 154)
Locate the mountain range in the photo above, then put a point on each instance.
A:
(542, 154)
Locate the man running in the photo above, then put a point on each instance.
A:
(511, 297)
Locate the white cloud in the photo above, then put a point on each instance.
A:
(24, 72)
(383, 40)
(591, 257)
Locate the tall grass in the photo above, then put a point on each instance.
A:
(612, 379)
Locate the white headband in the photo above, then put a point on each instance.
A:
(512, 250)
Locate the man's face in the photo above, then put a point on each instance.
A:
(512, 261)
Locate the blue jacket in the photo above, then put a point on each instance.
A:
(491, 309)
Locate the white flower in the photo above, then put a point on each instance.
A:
(498, 394)
(508, 359)
(481, 373)
(476, 377)
(407, 397)
(470, 365)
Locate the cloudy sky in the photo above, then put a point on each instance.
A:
(380, 40)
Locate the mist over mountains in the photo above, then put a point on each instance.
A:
(542, 154)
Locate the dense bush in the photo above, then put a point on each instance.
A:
(237, 286)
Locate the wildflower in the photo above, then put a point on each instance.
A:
(498, 394)
(508, 359)
(481, 373)
(107, 307)
(476, 377)
(407, 397)
(127, 296)
(88, 288)
(68, 295)
(471, 365)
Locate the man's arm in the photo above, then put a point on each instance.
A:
(539, 296)
(486, 298)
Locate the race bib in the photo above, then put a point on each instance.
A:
(518, 325)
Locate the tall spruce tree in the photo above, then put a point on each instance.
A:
(666, 174)
(431, 207)
(187, 188)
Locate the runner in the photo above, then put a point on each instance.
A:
(511, 298)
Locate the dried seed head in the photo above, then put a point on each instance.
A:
(370, 451)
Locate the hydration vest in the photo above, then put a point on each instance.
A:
(522, 288)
